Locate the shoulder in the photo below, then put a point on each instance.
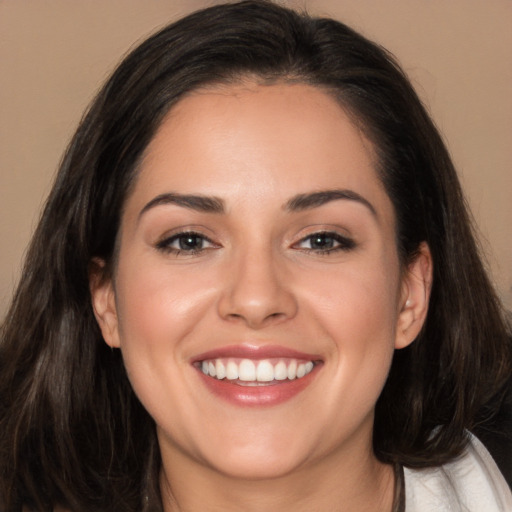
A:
(471, 483)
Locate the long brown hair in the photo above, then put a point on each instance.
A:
(73, 431)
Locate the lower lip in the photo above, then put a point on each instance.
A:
(261, 395)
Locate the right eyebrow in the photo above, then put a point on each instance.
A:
(199, 203)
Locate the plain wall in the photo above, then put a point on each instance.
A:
(54, 54)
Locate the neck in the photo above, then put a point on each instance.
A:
(342, 481)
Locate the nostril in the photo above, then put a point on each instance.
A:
(256, 321)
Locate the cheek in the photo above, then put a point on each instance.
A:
(355, 300)
(158, 308)
(356, 311)
(159, 304)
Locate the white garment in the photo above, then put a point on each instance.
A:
(472, 483)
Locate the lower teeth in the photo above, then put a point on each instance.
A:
(252, 383)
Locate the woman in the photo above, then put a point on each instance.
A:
(254, 286)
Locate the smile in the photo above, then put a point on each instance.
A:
(256, 372)
(248, 375)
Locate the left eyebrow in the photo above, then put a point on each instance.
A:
(302, 202)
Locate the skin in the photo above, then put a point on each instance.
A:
(260, 280)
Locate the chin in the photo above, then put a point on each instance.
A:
(257, 468)
(260, 458)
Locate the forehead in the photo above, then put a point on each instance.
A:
(250, 141)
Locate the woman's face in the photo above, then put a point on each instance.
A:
(258, 246)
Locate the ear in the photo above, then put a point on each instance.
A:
(104, 303)
(414, 298)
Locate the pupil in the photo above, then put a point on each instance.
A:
(322, 242)
(188, 242)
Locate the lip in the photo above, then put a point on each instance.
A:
(255, 352)
(268, 394)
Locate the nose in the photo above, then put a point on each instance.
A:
(255, 291)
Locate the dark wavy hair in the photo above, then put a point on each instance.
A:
(72, 431)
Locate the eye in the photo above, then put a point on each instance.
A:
(188, 243)
(325, 242)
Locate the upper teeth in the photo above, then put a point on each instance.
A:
(264, 370)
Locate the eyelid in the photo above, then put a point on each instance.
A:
(164, 243)
(344, 242)
(183, 229)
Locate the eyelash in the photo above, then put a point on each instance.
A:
(165, 245)
(343, 243)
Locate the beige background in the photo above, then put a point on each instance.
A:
(54, 54)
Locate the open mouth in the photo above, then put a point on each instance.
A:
(250, 375)
(249, 372)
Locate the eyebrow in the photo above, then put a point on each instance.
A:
(194, 202)
(300, 202)
(315, 199)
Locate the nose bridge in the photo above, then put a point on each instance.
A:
(255, 291)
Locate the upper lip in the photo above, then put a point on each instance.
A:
(248, 351)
